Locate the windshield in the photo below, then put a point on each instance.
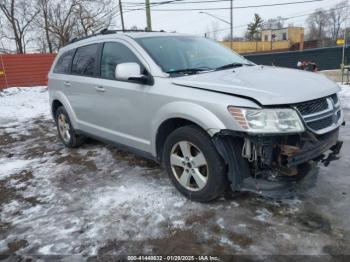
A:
(189, 54)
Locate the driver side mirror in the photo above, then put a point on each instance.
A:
(131, 72)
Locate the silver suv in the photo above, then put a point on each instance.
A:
(215, 120)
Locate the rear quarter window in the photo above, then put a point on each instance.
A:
(64, 62)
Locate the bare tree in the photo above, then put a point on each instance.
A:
(62, 21)
(317, 24)
(43, 23)
(274, 23)
(19, 15)
(66, 19)
(2, 35)
(337, 17)
(93, 16)
(134, 27)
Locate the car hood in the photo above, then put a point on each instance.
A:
(265, 84)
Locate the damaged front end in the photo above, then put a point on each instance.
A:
(281, 146)
(274, 165)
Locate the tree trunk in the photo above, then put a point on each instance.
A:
(47, 34)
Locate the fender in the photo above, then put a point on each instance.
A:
(189, 111)
(60, 96)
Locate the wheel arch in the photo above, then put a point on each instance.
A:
(55, 105)
(59, 99)
(178, 114)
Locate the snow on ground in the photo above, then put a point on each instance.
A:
(108, 199)
(100, 200)
(10, 167)
(23, 104)
(100, 206)
(345, 96)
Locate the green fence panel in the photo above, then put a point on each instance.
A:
(325, 58)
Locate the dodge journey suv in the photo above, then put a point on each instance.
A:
(215, 120)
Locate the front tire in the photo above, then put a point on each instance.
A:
(65, 129)
(193, 164)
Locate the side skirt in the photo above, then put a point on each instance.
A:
(130, 149)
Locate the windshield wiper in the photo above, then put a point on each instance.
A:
(231, 65)
(189, 70)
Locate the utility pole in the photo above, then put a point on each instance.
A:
(121, 14)
(148, 16)
(231, 25)
(343, 57)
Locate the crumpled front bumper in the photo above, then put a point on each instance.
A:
(283, 164)
(281, 189)
(314, 149)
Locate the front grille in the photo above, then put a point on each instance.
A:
(321, 114)
(322, 123)
(312, 107)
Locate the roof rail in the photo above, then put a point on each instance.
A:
(107, 31)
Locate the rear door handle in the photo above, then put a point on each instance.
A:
(67, 84)
(100, 89)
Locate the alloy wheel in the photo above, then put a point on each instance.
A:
(189, 166)
(63, 127)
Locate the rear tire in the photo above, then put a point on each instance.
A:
(65, 129)
(193, 164)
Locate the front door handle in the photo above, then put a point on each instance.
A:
(67, 84)
(100, 89)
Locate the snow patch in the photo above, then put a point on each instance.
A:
(23, 104)
(178, 224)
(285, 236)
(344, 95)
(220, 223)
(8, 166)
(46, 250)
(3, 245)
(225, 241)
(263, 215)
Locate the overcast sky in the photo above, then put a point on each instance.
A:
(192, 22)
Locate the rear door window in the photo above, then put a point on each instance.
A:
(85, 60)
(113, 54)
(64, 62)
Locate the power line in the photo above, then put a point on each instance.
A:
(176, 2)
(155, 4)
(284, 18)
(239, 7)
(223, 8)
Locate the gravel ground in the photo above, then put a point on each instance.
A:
(101, 201)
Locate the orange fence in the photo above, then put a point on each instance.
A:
(24, 70)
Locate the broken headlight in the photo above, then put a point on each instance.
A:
(267, 120)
